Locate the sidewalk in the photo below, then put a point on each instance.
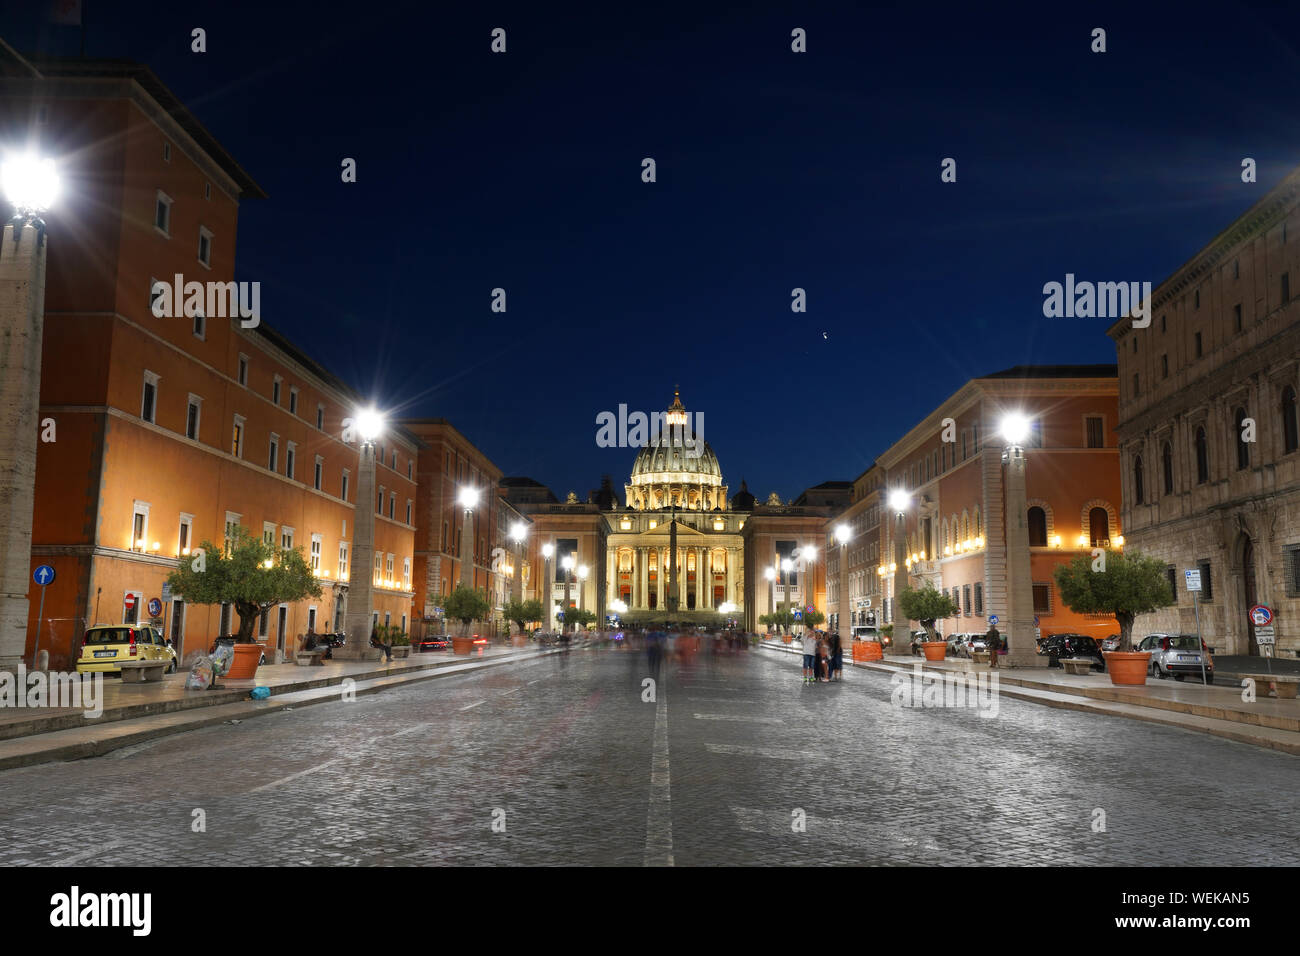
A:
(1216, 709)
(137, 712)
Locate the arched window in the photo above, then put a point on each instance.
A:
(978, 529)
(1202, 457)
(1167, 466)
(1139, 486)
(1037, 527)
(1099, 527)
(1243, 447)
(1290, 433)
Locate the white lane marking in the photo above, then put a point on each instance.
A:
(93, 851)
(507, 693)
(475, 704)
(725, 700)
(659, 817)
(534, 681)
(769, 752)
(402, 733)
(740, 718)
(295, 776)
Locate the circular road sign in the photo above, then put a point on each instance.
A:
(43, 575)
(993, 618)
(155, 607)
(1261, 616)
(130, 601)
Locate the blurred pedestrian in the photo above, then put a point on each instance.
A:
(809, 657)
(994, 641)
(837, 656)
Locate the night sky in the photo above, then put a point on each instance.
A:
(775, 170)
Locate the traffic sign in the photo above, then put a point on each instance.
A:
(1261, 616)
(1193, 578)
(130, 601)
(1265, 636)
(167, 593)
(43, 575)
(155, 607)
(1035, 620)
(993, 618)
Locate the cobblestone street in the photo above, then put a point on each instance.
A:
(567, 748)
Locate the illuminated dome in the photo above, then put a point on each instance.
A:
(671, 471)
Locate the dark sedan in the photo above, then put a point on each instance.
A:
(432, 642)
(1055, 647)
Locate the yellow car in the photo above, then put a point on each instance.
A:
(106, 646)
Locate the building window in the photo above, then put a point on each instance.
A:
(1099, 527)
(1042, 599)
(979, 599)
(237, 439)
(149, 397)
(268, 533)
(1197, 346)
(1171, 575)
(207, 191)
(289, 455)
(379, 564)
(444, 536)
(200, 325)
(1134, 340)
(232, 527)
(1095, 434)
(964, 453)
(394, 465)
(293, 400)
(318, 476)
(1207, 581)
(273, 456)
(243, 370)
(1037, 527)
(185, 534)
(140, 527)
(286, 539)
(388, 567)
(1197, 300)
(162, 216)
(192, 407)
(275, 390)
(392, 504)
(1137, 389)
(315, 552)
(406, 574)
(1164, 325)
(1236, 268)
(965, 599)
(410, 468)
(1236, 317)
(1164, 366)
(1167, 466)
(344, 492)
(1290, 433)
(1202, 457)
(1139, 486)
(167, 152)
(379, 501)
(1291, 554)
(320, 418)
(1243, 447)
(408, 510)
(343, 560)
(205, 247)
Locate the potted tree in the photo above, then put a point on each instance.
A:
(400, 640)
(1125, 585)
(465, 605)
(249, 574)
(927, 605)
(521, 613)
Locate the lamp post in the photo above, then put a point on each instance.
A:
(467, 499)
(31, 186)
(808, 593)
(1021, 650)
(548, 599)
(770, 574)
(517, 533)
(583, 571)
(369, 426)
(844, 614)
(899, 501)
(567, 564)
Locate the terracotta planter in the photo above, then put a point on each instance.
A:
(787, 638)
(1127, 668)
(868, 651)
(462, 645)
(934, 650)
(244, 664)
(519, 640)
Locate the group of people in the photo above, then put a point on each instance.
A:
(823, 657)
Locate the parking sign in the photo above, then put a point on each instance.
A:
(1193, 578)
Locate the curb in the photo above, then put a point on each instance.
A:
(125, 732)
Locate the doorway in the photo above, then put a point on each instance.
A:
(281, 625)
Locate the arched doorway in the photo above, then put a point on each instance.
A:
(1248, 584)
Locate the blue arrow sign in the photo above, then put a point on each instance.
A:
(43, 575)
(993, 618)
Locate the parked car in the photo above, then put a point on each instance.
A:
(1177, 654)
(431, 642)
(969, 642)
(919, 637)
(1057, 646)
(1111, 643)
(105, 647)
(866, 632)
(956, 648)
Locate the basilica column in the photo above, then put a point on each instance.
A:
(699, 579)
(643, 577)
(661, 573)
(729, 592)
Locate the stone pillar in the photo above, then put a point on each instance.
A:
(844, 613)
(902, 630)
(1018, 629)
(660, 571)
(643, 577)
(728, 593)
(22, 324)
(467, 550)
(361, 583)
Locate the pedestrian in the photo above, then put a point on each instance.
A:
(837, 656)
(809, 657)
(994, 641)
(386, 648)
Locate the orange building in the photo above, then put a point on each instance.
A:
(168, 431)
(950, 464)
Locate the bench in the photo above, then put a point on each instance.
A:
(1076, 665)
(310, 658)
(1280, 686)
(401, 651)
(980, 657)
(139, 672)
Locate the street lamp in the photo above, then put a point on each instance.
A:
(899, 502)
(359, 610)
(567, 564)
(548, 598)
(770, 574)
(31, 185)
(583, 571)
(1015, 429)
(845, 614)
(467, 499)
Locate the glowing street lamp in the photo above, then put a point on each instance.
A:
(1015, 429)
(30, 184)
(467, 499)
(369, 424)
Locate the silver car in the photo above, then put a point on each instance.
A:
(1177, 654)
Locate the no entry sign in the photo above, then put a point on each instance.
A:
(130, 601)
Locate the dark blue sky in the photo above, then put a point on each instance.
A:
(775, 170)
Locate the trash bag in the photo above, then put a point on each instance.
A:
(222, 658)
(201, 674)
(260, 693)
